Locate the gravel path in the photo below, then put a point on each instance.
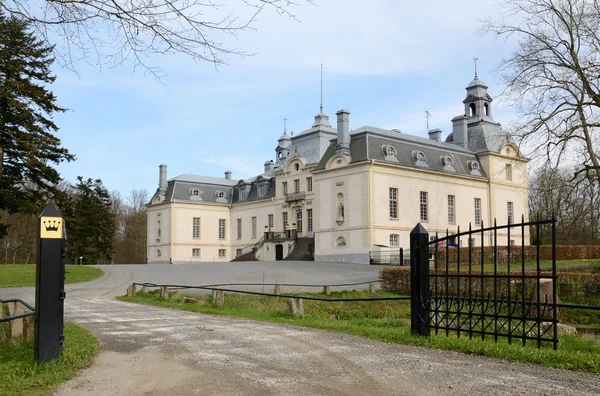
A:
(155, 351)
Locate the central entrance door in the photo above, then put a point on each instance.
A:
(278, 252)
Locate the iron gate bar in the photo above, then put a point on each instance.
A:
(523, 340)
(495, 280)
(538, 271)
(508, 281)
(24, 315)
(555, 313)
(458, 278)
(482, 271)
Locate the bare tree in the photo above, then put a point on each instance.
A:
(553, 76)
(108, 32)
(574, 203)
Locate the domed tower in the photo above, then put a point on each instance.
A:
(284, 146)
(478, 103)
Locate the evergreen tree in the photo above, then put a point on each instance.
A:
(90, 222)
(28, 147)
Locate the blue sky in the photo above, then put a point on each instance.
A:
(385, 61)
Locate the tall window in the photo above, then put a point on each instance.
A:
(195, 252)
(508, 172)
(393, 203)
(451, 216)
(297, 185)
(285, 221)
(242, 193)
(254, 227)
(424, 212)
(221, 228)
(309, 220)
(394, 240)
(509, 212)
(284, 188)
(299, 221)
(261, 190)
(271, 225)
(477, 211)
(222, 253)
(196, 227)
(239, 228)
(309, 184)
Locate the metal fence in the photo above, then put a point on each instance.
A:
(389, 256)
(462, 298)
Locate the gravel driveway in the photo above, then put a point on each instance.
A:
(156, 351)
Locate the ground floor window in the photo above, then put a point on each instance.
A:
(309, 218)
(195, 252)
(222, 253)
(394, 240)
(299, 221)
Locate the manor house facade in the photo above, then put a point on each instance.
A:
(345, 193)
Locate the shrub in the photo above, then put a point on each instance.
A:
(572, 285)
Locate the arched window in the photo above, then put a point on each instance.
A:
(158, 253)
(487, 109)
(340, 242)
(472, 109)
(297, 167)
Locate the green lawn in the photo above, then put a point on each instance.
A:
(20, 375)
(387, 321)
(13, 275)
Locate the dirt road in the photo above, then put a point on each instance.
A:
(155, 351)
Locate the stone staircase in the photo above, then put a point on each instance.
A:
(304, 249)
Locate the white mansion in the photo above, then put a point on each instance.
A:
(349, 191)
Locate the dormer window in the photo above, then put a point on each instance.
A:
(389, 153)
(195, 194)
(472, 110)
(420, 158)
(242, 194)
(220, 194)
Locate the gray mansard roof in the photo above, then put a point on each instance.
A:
(195, 188)
(220, 181)
(370, 143)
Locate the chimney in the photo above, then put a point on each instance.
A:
(343, 133)
(460, 135)
(269, 166)
(228, 175)
(435, 134)
(162, 181)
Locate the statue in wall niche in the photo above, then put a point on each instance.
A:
(340, 216)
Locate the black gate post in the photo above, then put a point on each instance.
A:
(419, 281)
(49, 286)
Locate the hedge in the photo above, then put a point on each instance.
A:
(570, 284)
(563, 252)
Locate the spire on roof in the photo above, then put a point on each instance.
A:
(475, 62)
(321, 107)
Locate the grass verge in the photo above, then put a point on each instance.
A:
(15, 275)
(20, 375)
(386, 321)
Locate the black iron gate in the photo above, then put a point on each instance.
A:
(485, 290)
